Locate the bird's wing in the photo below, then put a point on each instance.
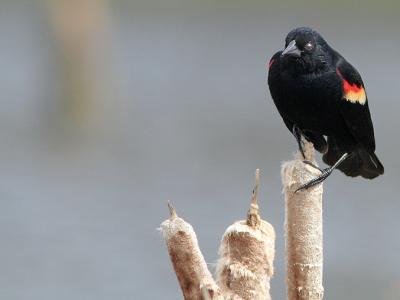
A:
(354, 105)
(274, 59)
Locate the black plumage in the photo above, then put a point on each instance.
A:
(318, 93)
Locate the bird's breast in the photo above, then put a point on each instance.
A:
(311, 102)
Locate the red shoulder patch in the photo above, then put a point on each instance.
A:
(352, 88)
(271, 62)
(352, 92)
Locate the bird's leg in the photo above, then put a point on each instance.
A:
(310, 163)
(324, 173)
(297, 134)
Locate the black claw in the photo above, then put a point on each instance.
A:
(325, 174)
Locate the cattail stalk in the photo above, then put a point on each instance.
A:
(246, 259)
(80, 30)
(190, 267)
(247, 252)
(303, 226)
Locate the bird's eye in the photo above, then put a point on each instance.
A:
(308, 46)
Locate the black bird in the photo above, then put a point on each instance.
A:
(322, 97)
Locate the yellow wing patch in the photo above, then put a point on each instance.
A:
(354, 93)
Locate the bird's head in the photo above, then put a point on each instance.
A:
(306, 51)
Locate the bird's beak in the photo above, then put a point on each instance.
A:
(292, 50)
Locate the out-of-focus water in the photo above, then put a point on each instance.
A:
(188, 118)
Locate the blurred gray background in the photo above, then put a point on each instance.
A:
(110, 108)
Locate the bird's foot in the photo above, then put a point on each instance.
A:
(324, 174)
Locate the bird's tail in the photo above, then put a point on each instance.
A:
(360, 163)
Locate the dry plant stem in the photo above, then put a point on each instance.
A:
(190, 267)
(80, 30)
(246, 259)
(303, 225)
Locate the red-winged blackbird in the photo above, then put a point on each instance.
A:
(322, 97)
